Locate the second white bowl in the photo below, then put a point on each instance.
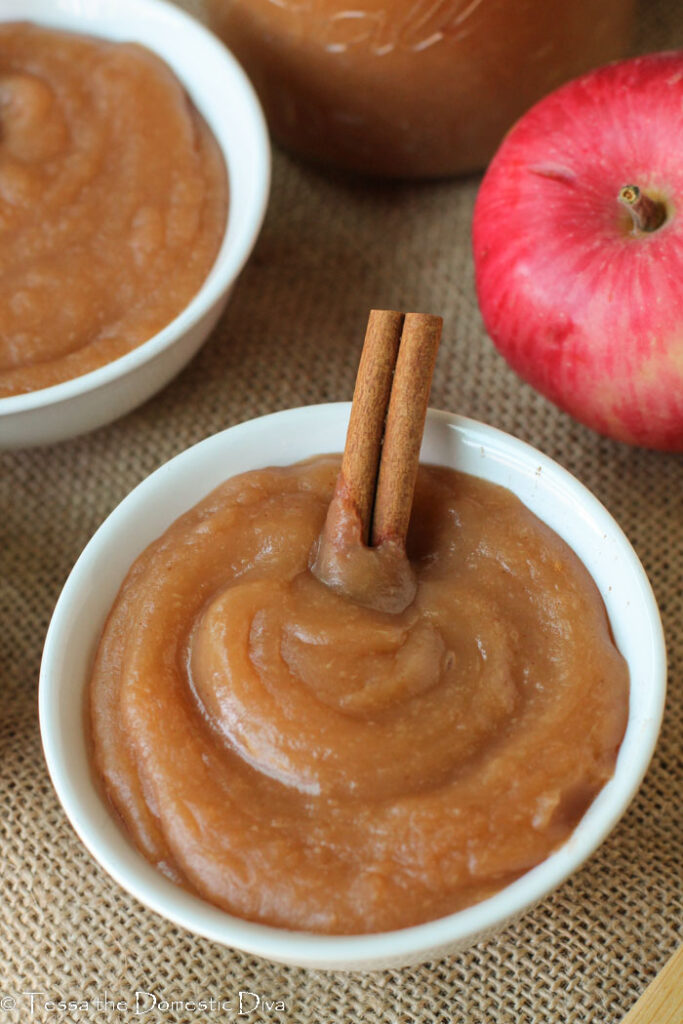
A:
(223, 94)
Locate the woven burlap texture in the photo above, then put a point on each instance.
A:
(330, 249)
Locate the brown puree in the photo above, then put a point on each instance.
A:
(302, 760)
(409, 88)
(113, 202)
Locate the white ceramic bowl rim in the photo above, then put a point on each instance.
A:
(151, 888)
(235, 247)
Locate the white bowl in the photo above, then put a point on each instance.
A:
(286, 437)
(223, 94)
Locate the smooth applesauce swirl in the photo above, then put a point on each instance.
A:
(302, 760)
(113, 202)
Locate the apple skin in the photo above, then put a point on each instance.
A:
(586, 309)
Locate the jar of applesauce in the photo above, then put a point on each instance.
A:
(412, 88)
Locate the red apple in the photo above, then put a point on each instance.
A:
(579, 274)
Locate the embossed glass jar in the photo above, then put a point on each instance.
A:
(412, 88)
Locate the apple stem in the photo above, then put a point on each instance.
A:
(648, 214)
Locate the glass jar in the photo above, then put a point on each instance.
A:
(412, 88)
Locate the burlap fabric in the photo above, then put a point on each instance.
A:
(330, 249)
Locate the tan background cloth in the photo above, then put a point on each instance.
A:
(330, 249)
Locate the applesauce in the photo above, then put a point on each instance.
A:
(412, 88)
(113, 202)
(306, 760)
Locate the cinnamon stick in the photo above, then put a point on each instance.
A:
(361, 551)
(360, 462)
(381, 456)
(404, 427)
